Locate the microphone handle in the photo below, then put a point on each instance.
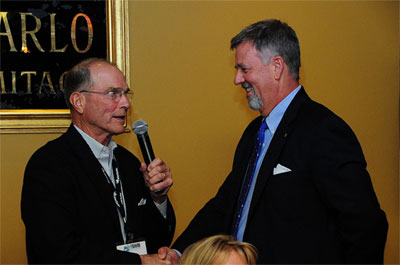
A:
(147, 151)
(145, 147)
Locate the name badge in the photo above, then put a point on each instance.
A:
(135, 247)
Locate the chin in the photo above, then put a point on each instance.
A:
(119, 130)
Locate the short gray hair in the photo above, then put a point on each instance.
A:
(79, 77)
(272, 37)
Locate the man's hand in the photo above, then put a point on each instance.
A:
(153, 259)
(165, 256)
(157, 176)
(166, 253)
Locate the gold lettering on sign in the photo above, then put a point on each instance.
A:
(46, 75)
(53, 35)
(8, 34)
(28, 80)
(14, 82)
(24, 32)
(90, 32)
(61, 81)
(3, 86)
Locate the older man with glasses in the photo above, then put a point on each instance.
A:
(86, 199)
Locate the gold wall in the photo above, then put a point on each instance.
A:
(182, 73)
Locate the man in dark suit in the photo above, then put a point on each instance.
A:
(300, 192)
(83, 195)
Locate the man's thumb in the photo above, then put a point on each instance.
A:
(162, 253)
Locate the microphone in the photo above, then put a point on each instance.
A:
(140, 128)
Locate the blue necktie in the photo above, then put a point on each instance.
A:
(251, 167)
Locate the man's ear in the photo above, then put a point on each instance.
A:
(278, 65)
(77, 101)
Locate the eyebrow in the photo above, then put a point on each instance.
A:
(119, 88)
(241, 66)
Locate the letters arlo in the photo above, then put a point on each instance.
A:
(44, 77)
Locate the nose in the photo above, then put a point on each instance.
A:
(238, 78)
(124, 101)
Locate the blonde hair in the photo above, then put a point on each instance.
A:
(216, 249)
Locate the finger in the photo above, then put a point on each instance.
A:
(156, 162)
(154, 179)
(157, 176)
(162, 253)
(166, 184)
(158, 169)
(173, 256)
(160, 177)
(143, 167)
(154, 171)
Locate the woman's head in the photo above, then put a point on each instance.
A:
(219, 249)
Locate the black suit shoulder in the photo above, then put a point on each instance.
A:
(322, 127)
(316, 115)
(51, 167)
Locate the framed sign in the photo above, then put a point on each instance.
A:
(40, 41)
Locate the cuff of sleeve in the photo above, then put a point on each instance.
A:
(178, 252)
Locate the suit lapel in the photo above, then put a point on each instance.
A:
(92, 169)
(275, 148)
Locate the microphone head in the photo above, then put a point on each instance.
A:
(140, 127)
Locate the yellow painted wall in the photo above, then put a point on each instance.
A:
(182, 74)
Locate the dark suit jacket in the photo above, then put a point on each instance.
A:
(323, 211)
(69, 212)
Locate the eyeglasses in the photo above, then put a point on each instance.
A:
(115, 93)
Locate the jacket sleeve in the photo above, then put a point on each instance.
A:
(340, 175)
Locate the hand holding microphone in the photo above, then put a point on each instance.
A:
(156, 173)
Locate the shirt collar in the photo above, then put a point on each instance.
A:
(100, 151)
(276, 115)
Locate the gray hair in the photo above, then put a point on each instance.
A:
(272, 37)
(79, 77)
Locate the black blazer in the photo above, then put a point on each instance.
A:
(69, 212)
(323, 211)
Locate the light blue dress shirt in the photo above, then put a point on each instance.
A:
(272, 120)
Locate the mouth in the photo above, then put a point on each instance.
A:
(249, 88)
(120, 118)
